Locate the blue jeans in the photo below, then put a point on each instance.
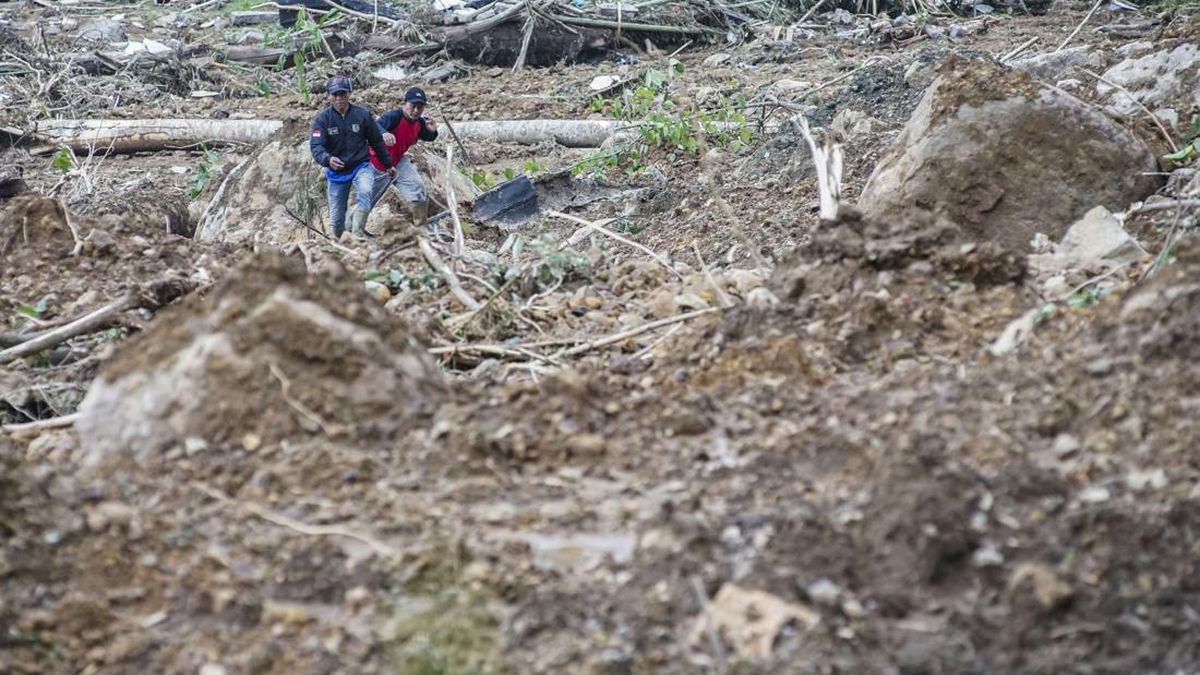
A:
(339, 195)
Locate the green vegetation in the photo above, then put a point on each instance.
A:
(662, 124)
(64, 160)
(447, 626)
(210, 165)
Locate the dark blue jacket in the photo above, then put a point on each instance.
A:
(347, 138)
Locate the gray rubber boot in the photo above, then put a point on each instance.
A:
(420, 213)
(358, 224)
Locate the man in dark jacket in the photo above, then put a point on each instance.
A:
(340, 136)
(402, 128)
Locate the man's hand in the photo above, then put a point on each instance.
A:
(389, 139)
(391, 172)
(336, 164)
(430, 124)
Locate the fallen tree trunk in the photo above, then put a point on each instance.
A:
(569, 133)
(123, 136)
(177, 134)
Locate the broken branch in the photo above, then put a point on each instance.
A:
(86, 324)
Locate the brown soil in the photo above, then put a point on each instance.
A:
(838, 438)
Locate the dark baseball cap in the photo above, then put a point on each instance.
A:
(415, 95)
(337, 83)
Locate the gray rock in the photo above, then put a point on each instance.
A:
(1169, 77)
(101, 30)
(1099, 236)
(1005, 156)
(1057, 65)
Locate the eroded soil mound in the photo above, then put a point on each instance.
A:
(1006, 157)
(268, 352)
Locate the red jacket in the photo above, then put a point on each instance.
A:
(406, 132)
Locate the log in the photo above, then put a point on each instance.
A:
(148, 135)
(124, 136)
(569, 133)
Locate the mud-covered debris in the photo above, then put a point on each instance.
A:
(1039, 581)
(272, 352)
(750, 620)
(989, 148)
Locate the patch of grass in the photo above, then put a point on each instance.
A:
(448, 627)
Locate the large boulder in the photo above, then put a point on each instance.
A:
(268, 198)
(1006, 156)
(272, 352)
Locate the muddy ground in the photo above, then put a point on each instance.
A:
(820, 468)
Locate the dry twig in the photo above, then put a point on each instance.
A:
(613, 235)
(1154, 118)
(40, 425)
(1078, 28)
(297, 526)
(85, 324)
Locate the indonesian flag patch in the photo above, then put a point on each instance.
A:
(316, 133)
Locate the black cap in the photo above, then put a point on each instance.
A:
(337, 83)
(415, 95)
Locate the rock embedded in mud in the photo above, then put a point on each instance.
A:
(1164, 78)
(269, 353)
(1005, 156)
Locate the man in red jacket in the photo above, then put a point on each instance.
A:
(402, 128)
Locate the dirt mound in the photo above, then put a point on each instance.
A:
(1006, 157)
(268, 353)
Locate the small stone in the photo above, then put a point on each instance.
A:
(853, 609)
(192, 445)
(987, 556)
(824, 592)
(1154, 479)
(586, 445)
(1065, 444)
(1096, 494)
(495, 72)
(762, 299)
(102, 242)
(357, 594)
(212, 669)
(1047, 589)
(690, 301)
(378, 291)
(138, 241)
(716, 59)
(251, 442)
(106, 514)
(592, 302)
(151, 252)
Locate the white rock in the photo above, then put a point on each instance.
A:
(602, 82)
(716, 59)
(1095, 494)
(1153, 80)
(1152, 479)
(824, 592)
(1098, 236)
(761, 298)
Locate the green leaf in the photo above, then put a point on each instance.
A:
(509, 173)
(1180, 155)
(63, 160)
